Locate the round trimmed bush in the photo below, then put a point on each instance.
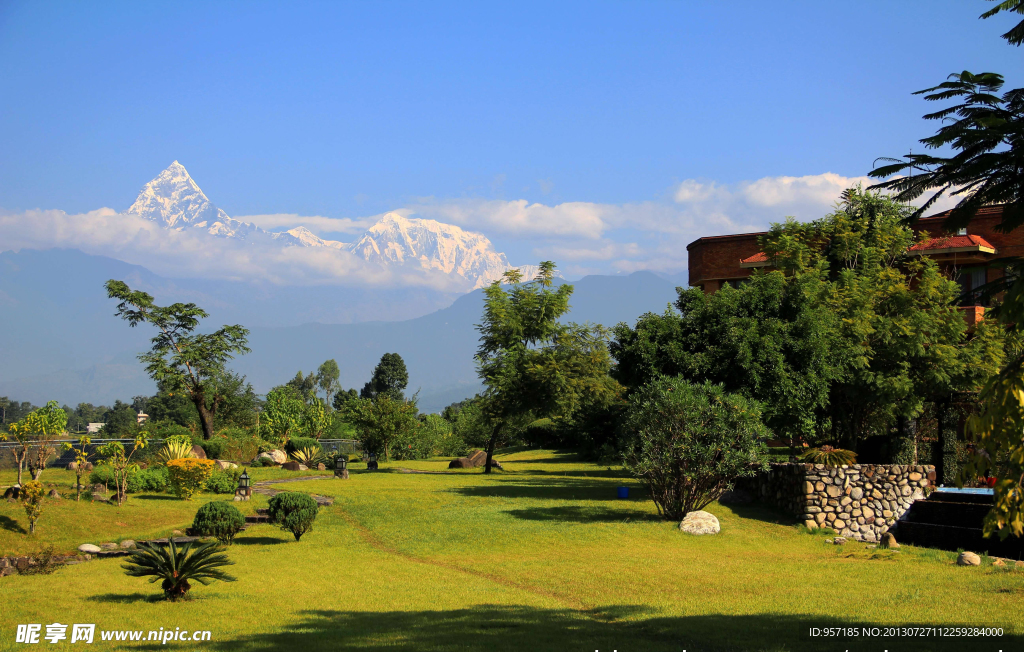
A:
(218, 519)
(293, 511)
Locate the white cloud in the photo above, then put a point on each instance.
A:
(519, 217)
(190, 253)
(315, 223)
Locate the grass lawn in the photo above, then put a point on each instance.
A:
(538, 557)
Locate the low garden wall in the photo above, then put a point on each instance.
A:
(860, 501)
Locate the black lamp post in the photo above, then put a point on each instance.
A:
(341, 467)
(244, 491)
(371, 462)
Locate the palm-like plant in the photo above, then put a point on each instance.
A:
(309, 456)
(177, 566)
(175, 450)
(830, 456)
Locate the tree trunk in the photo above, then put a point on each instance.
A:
(205, 416)
(490, 448)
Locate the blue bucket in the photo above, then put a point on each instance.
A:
(623, 492)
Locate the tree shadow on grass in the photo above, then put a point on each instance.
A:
(258, 541)
(762, 512)
(498, 627)
(11, 525)
(551, 488)
(126, 598)
(574, 514)
(155, 497)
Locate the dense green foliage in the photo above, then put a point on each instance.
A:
(218, 519)
(532, 365)
(181, 359)
(848, 335)
(390, 377)
(294, 512)
(152, 480)
(384, 422)
(688, 442)
(985, 132)
(178, 567)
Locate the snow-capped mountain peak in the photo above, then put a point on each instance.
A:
(175, 201)
(396, 239)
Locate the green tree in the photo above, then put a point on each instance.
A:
(36, 435)
(315, 419)
(283, 413)
(344, 400)
(327, 376)
(187, 361)
(120, 422)
(903, 342)
(773, 340)
(304, 385)
(688, 442)
(382, 421)
(82, 456)
(120, 462)
(389, 377)
(532, 364)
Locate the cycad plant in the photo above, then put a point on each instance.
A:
(310, 456)
(178, 566)
(175, 449)
(830, 456)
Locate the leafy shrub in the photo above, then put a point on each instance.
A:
(829, 456)
(139, 480)
(218, 519)
(223, 481)
(243, 447)
(299, 443)
(177, 566)
(687, 442)
(189, 475)
(441, 437)
(214, 448)
(175, 449)
(293, 511)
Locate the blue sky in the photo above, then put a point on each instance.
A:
(624, 113)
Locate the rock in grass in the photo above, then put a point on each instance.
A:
(888, 541)
(108, 546)
(127, 543)
(700, 522)
(968, 559)
(54, 494)
(89, 548)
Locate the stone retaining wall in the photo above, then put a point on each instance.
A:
(860, 501)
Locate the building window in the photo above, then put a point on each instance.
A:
(970, 281)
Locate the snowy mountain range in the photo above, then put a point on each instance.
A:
(175, 201)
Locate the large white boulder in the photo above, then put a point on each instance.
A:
(89, 548)
(700, 522)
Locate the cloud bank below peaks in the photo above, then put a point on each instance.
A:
(193, 253)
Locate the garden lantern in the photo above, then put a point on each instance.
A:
(244, 491)
(341, 467)
(371, 462)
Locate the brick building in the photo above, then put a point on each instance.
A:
(969, 256)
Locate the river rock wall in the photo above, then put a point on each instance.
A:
(860, 501)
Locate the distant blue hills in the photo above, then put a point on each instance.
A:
(59, 338)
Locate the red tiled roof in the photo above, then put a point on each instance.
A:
(759, 257)
(961, 242)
